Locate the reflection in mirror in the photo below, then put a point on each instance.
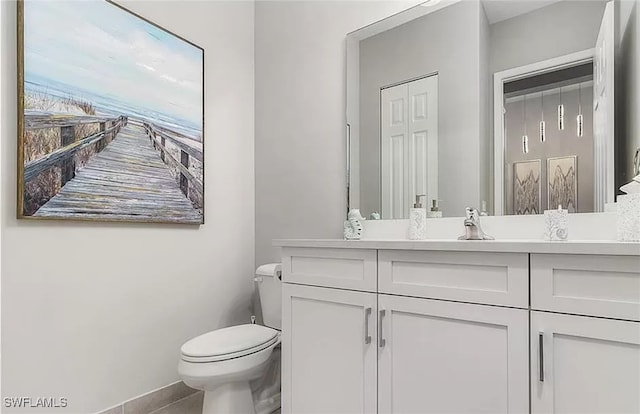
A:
(511, 107)
(548, 127)
(412, 136)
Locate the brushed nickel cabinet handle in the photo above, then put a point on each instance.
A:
(541, 356)
(367, 337)
(381, 341)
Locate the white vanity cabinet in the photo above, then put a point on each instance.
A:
(354, 269)
(447, 357)
(596, 285)
(348, 349)
(583, 364)
(474, 277)
(374, 329)
(585, 334)
(328, 350)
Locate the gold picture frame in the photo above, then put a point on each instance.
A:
(93, 148)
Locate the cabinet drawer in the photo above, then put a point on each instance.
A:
(491, 278)
(607, 286)
(339, 268)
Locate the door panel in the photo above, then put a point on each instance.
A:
(423, 130)
(447, 357)
(395, 147)
(584, 365)
(409, 138)
(328, 364)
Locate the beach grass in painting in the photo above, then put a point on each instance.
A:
(112, 116)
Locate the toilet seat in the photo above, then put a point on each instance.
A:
(228, 343)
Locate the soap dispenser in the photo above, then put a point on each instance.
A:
(418, 220)
(483, 210)
(435, 211)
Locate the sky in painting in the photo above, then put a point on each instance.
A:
(98, 47)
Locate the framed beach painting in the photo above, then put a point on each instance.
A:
(110, 116)
(526, 187)
(562, 183)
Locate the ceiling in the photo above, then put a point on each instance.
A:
(496, 11)
(499, 10)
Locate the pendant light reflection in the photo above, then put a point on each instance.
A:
(561, 113)
(525, 138)
(542, 131)
(580, 122)
(580, 118)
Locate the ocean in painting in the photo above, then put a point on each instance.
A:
(113, 116)
(109, 105)
(114, 60)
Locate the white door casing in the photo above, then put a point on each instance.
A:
(409, 137)
(603, 110)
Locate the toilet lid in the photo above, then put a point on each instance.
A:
(229, 342)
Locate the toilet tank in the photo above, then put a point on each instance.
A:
(269, 280)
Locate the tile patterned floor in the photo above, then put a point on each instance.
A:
(189, 405)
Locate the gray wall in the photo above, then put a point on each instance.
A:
(542, 34)
(559, 29)
(97, 312)
(557, 144)
(300, 136)
(415, 49)
(533, 37)
(300, 115)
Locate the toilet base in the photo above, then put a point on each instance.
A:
(229, 398)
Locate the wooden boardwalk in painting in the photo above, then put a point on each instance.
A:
(127, 181)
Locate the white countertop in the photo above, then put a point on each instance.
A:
(504, 246)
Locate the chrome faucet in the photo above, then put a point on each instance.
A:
(472, 229)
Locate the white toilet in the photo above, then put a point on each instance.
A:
(224, 361)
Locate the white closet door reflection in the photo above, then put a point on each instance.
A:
(394, 151)
(409, 137)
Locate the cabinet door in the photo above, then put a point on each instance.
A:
(448, 357)
(584, 365)
(329, 350)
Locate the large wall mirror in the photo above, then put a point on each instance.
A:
(513, 107)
